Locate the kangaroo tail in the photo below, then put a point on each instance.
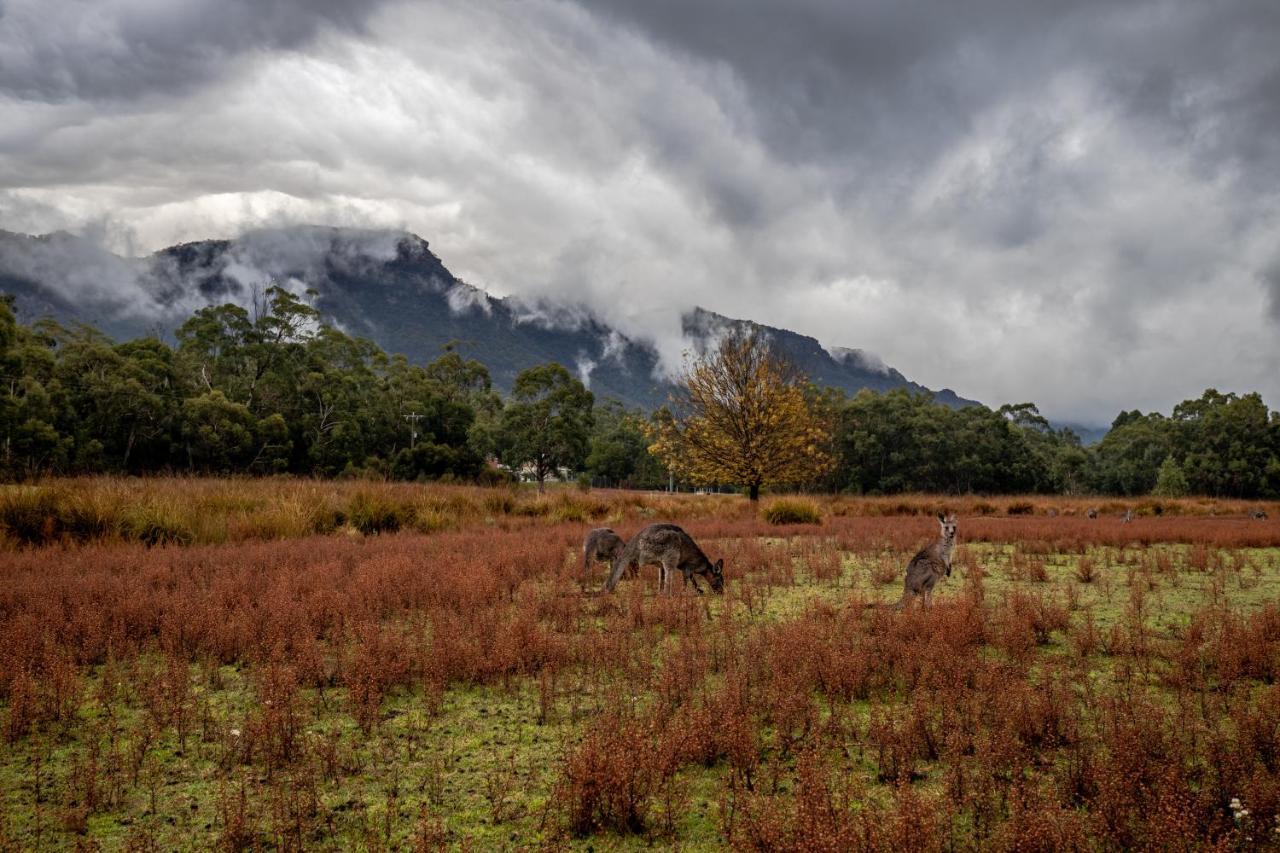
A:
(897, 605)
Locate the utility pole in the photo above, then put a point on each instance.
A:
(413, 418)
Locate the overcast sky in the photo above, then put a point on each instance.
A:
(1071, 203)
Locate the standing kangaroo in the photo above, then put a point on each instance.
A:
(931, 565)
(671, 549)
(1128, 516)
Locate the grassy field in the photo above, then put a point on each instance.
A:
(189, 664)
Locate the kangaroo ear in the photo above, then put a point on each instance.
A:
(942, 518)
(718, 568)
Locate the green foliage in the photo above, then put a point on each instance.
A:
(277, 391)
(1228, 446)
(218, 432)
(1225, 446)
(548, 422)
(792, 511)
(1170, 481)
(898, 442)
(1129, 457)
(620, 449)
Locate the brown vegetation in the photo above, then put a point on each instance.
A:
(185, 511)
(1019, 719)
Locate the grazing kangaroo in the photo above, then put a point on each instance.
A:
(671, 549)
(931, 565)
(1258, 515)
(1092, 513)
(603, 545)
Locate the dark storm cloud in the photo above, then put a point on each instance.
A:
(856, 79)
(1074, 203)
(880, 90)
(53, 50)
(1271, 277)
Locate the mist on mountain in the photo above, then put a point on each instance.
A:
(390, 287)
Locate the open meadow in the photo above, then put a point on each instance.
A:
(292, 664)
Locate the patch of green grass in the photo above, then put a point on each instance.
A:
(482, 753)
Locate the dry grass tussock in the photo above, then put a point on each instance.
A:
(185, 511)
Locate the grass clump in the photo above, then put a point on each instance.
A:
(792, 511)
(434, 520)
(155, 524)
(33, 516)
(290, 518)
(569, 511)
(370, 512)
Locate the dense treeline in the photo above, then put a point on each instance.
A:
(275, 390)
(1223, 445)
(278, 392)
(1220, 444)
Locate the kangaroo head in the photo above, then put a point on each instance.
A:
(948, 525)
(716, 576)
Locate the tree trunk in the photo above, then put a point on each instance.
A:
(755, 491)
(128, 449)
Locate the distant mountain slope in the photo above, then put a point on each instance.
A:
(848, 369)
(384, 285)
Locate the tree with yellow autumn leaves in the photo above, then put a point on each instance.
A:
(742, 414)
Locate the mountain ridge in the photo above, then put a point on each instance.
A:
(388, 286)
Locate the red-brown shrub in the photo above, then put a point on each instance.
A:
(608, 780)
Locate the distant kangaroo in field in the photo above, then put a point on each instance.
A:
(1258, 515)
(671, 549)
(602, 546)
(1092, 513)
(1128, 516)
(931, 565)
